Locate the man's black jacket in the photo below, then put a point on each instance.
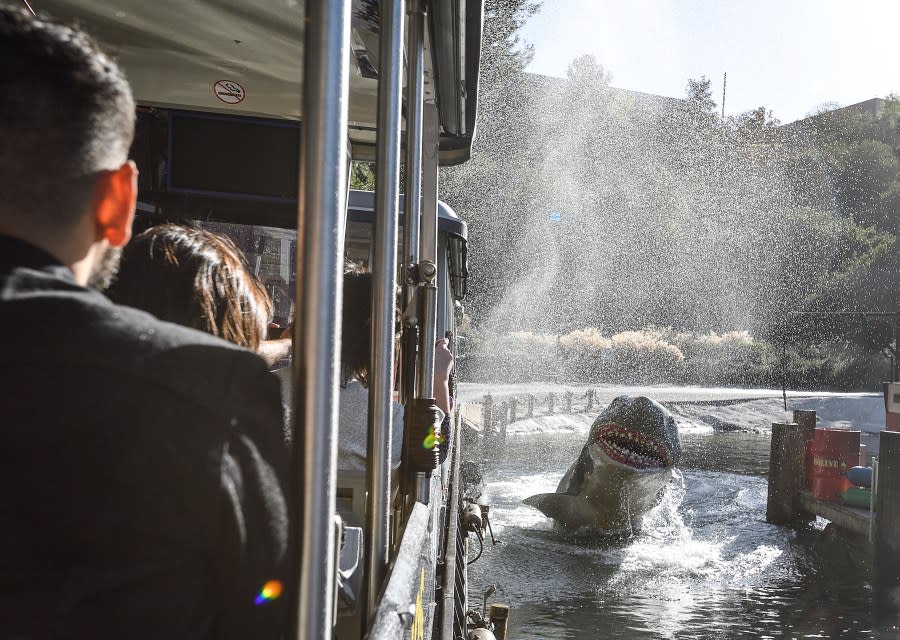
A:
(141, 470)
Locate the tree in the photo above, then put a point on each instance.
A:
(861, 154)
(587, 70)
(504, 56)
(503, 50)
(699, 102)
(488, 190)
(362, 175)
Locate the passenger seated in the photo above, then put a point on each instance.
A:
(354, 394)
(195, 278)
(354, 376)
(143, 488)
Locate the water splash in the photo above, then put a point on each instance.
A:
(613, 209)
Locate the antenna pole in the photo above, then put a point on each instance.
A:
(724, 82)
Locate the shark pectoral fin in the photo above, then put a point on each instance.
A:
(565, 509)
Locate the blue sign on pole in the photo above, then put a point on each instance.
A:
(555, 216)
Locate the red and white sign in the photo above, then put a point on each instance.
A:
(229, 91)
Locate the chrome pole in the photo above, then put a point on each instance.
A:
(384, 283)
(425, 364)
(428, 248)
(431, 135)
(320, 220)
(428, 269)
(415, 90)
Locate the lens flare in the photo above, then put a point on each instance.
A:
(270, 591)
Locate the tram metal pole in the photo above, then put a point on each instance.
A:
(427, 268)
(415, 91)
(320, 221)
(384, 283)
(430, 160)
(428, 244)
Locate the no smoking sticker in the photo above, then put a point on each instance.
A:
(229, 91)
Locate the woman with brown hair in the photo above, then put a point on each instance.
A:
(194, 278)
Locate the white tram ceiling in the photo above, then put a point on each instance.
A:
(175, 53)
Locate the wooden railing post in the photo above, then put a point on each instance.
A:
(504, 422)
(487, 413)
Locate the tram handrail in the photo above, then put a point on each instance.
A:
(384, 284)
(415, 91)
(321, 206)
(428, 246)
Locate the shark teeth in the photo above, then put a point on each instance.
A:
(633, 448)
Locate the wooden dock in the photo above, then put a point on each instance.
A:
(854, 519)
(789, 503)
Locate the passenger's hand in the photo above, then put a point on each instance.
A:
(443, 359)
(274, 350)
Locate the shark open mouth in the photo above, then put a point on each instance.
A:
(633, 448)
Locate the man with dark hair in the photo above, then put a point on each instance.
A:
(142, 468)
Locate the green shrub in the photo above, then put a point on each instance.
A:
(660, 355)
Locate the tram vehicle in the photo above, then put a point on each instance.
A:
(250, 113)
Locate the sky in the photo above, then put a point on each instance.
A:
(790, 56)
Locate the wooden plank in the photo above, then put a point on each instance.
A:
(844, 516)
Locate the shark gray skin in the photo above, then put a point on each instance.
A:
(622, 471)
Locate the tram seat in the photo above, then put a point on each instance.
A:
(349, 580)
(351, 495)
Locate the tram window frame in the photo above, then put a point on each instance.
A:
(184, 154)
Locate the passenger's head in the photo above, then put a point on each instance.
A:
(195, 278)
(356, 328)
(66, 125)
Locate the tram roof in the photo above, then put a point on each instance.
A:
(176, 53)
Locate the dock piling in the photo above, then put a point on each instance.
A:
(806, 421)
(499, 617)
(887, 525)
(787, 459)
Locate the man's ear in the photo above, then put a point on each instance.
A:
(115, 199)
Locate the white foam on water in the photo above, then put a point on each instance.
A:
(752, 564)
(511, 492)
(689, 426)
(578, 423)
(666, 545)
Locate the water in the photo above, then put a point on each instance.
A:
(706, 565)
(595, 206)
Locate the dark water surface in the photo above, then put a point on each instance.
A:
(706, 564)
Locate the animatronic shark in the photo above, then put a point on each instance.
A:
(621, 472)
